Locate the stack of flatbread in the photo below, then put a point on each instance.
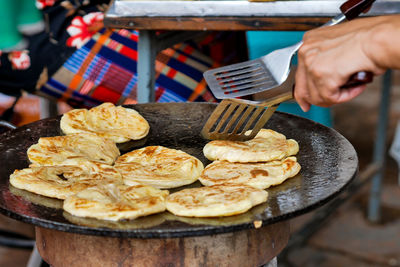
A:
(236, 180)
(264, 161)
(84, 168)
(79, 166)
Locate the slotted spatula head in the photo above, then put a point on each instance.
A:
(251, 77)
(240, 120)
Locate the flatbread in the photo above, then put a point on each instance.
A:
(246, 217)
(216, 200)
(268, 145)
(138, 223)
(115, 202)
(36, 198)
(64, 180)
(259, 175)
(159, 166)
(114, 122)
(55, 150)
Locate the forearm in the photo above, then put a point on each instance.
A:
(330, 55)
(384, 45)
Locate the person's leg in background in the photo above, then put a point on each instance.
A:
(19, 18)
(10, 37)
(260, 43)
(29, 18)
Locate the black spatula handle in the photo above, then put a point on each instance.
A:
(359, 78)
(352, 8)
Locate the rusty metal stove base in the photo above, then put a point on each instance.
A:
(251, 247)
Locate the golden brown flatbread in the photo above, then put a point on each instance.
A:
(246, 217)
(114, 122)
(260, 175)
(159, 166)
(116, 202)
(216, 200)
(64, 180)
(55, 150)
(268, 145)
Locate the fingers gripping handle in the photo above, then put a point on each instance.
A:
(352, 8)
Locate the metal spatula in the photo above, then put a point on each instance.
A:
(233, 117)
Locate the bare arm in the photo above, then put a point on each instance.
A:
(330, 55)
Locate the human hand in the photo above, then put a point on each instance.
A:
(330, 55)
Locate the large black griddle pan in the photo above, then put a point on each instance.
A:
(329, 162)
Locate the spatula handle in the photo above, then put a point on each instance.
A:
(352, 8)
(359, 78)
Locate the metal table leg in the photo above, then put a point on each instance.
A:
(35, 260)
(380, 149)
(272, 263)
(149, 45)
(48, 108)
(146, 66)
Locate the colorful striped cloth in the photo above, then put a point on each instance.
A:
(104, 69)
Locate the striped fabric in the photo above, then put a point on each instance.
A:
(104, 69)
